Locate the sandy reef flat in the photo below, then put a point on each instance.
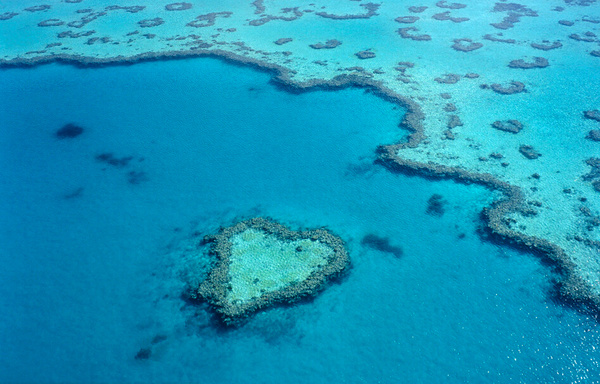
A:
(501, 94)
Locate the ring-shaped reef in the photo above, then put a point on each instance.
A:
(261, 263)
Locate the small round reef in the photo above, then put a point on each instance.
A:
(261, 263)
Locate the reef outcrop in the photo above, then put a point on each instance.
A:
(465, 45)
(261, 263)
(538, 62)
(512, 126)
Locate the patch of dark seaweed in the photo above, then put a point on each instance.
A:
(570, 289)
(406, 19)
(566, 23)
(538, 62)
(69, 131)
(459, 45)
(546, 45)
(590, 20)
(178, 6)
(595, 53)
(370, 7)
(381, 244)
(405, 33)
(471, 76)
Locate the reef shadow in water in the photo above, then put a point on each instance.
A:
(381, 244)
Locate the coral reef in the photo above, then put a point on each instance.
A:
(69, 131)
(365, 54)
(261, 263)
(178, 6)
(459, 45)
(515, 87)
(512, 126)
(529, 152)
(404, 32)
(329, 44)
(149, 23)
(538, 62)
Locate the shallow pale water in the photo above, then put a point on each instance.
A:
(90, 277)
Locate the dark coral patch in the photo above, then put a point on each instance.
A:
(329, 44)
(594, 135)
(546, 45)
(69, 131)
(446, 16)
(529, 152)
(512, 126)
(178, 6)
(515, 87)
(592, 115)
(406, 19)
(538, 62)
(208, 19)
(443, 4)
(283, 40)
(50, 23)
(7, 15)
(405, 33)
(449, 78)
(365, 54)
(381, 244)
(459, 45)
(38, 8)
(149, 23)
(435, 205)
(417, 9)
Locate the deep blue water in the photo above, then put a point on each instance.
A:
(95, 260)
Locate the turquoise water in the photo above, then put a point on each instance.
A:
(94, 266)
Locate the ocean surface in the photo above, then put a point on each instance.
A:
(99, 240)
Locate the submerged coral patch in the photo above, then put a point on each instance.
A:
(512, 126)
(148, 23)
(69, 131)
(261, 263)
(538, 62)
(178, 6)
(405, 33)
(465, 45)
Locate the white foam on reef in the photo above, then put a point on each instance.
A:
(551, 108)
